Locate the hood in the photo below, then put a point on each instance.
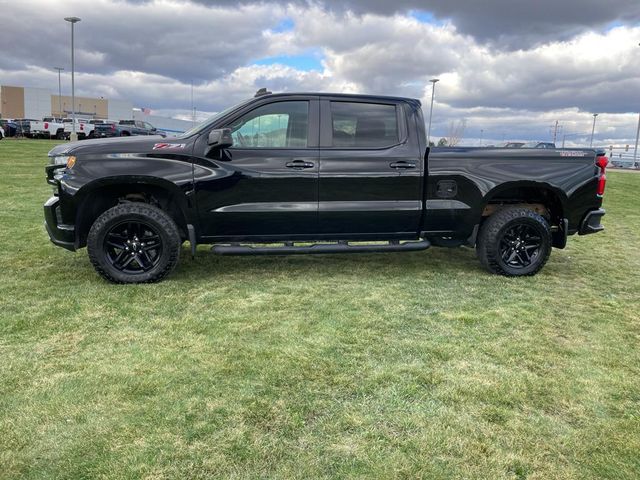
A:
(132, 144)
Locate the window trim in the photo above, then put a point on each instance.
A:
(326, 123)
(312, 123)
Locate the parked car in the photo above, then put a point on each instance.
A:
(530, 145)
(9, 127)
(539, 145)
(324, 169)
(49, 127)
(127, 128)
(23, 126)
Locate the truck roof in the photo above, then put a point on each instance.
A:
(360, 96)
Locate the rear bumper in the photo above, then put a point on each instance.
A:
(60, 234)
(591, 222)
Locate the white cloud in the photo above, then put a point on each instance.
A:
(149, 52)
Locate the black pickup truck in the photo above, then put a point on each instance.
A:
(315, 173)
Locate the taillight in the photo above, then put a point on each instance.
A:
(602, 162)
(81, 126)
(46, 125)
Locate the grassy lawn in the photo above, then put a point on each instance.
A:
(407, 365)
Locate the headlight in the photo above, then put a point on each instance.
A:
(68, 160)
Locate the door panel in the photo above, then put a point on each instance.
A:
(368, 190)
(267, 183)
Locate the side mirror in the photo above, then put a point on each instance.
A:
(220, 137)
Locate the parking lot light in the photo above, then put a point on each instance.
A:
(74, 135)
(433, 94)
(59, 69)
(593, 129)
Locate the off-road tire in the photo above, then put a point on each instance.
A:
(155, 218)
(493, 231)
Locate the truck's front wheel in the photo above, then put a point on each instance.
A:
(134, 243)
(514, 242)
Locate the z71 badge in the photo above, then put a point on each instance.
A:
(172, 146)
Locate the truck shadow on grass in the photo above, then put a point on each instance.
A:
(210, 266)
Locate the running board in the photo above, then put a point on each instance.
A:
(341, 247)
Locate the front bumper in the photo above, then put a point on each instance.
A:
(591, 222)
(60, 234)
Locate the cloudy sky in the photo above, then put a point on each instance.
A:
(508, 68)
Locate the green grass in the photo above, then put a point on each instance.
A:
(415, 365)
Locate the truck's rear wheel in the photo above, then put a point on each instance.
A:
(514, 242)
(134, 243)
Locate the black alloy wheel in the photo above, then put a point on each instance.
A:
(520, 246)
(133, 247)
(134, 242)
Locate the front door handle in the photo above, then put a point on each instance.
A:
(299, 164)
(402, 165)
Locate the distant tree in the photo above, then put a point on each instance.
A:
(456, 132)
(443, 142)
(431, 144)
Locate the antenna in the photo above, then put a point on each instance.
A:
(261, 92)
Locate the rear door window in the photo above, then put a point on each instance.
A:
(363, 125)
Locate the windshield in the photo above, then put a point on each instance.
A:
(212, 119)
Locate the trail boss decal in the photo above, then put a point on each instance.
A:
(164, 146)
(573, 153)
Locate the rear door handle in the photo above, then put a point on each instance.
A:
(402, 165)
(299, 164)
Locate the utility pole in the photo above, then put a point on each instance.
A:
(433, 94)
(74, 135)
(555, 132)
(59, 69)
(635, 151)
(593, 129)
(193, 109)
(481, 135)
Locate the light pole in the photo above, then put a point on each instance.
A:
(635, 151)
(593, 129)
(74, 135)
(481, 135)
(433, 94)
(59, 69)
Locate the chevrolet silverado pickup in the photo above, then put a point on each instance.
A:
(315, 173)
(49, 127)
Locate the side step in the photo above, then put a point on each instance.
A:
(341, 247)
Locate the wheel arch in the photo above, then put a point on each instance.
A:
(532, 194)
(529, 192)
(98, 196)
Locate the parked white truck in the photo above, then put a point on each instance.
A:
(84, 128)
(49, 127)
